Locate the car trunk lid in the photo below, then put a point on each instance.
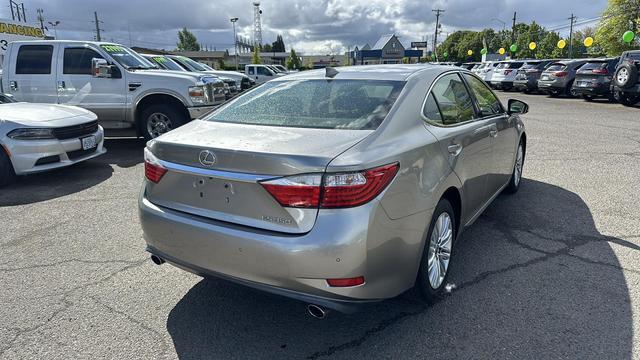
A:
(215, 169)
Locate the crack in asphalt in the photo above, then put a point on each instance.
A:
(67, 304)
(511, 237)
(31, 234)
(37, 266)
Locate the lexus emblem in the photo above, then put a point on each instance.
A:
(207, 158)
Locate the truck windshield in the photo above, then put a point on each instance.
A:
(166, 63)
(127, 58)
(317, 104)
(191, 64)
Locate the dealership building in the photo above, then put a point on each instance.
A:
(387, 50)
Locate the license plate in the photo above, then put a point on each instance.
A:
(88, 142)
(545, 77)
(583, 84)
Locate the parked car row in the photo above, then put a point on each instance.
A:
(615, 79)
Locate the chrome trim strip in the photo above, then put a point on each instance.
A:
(220, 174)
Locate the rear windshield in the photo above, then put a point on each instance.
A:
(531, 65)
(514, 65)
(593, 66)
(318, 104)
(502, 65)
(556, 67)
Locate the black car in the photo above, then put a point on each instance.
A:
(527, 78)
(626, 82)
(593, 79)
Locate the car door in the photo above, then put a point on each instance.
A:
(503, 133)
(32, 73)
(451, 117)
(77, 86)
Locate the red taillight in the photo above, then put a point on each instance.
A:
(153, 170)
(507, 72)
(600, 71)
(346, 282)
(302, 191)
(333, 190)
(349, 190)
(560, 74)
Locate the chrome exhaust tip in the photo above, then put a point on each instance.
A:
(157, 260)
(317, 311)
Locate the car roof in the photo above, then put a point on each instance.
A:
(399, 72)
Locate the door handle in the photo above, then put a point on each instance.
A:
(61, 85)
(454, 149)
(493, 133)
(14, 85)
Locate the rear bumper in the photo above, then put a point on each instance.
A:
(551, 86)
(343, 243)
(594, 91)
(525, 84)
(33, 156)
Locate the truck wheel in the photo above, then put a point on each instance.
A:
(626, 75)
(587, 98)
(627, 99)
(7, 174)
(158, 119)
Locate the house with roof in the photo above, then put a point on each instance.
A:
(387, 50)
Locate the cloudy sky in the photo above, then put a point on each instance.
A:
(316, 27)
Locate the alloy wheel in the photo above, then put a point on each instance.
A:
(440, 250)
(158, 124)
(623, 76)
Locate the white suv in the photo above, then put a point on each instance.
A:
(504, 74)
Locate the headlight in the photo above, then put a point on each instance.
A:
(197, 94)
(31, 134)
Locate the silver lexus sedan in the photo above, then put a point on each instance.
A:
(335, 187)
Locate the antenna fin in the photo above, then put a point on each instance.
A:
(330, 72)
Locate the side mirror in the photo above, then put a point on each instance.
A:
(101, 69)
(517, 107)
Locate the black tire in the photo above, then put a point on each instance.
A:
(554, 94)
(627, 99)
(588, 98)
(7, 174)
(631, 78)
(612, 98)
(428, 293)
(516, 179)
(173, 118)
(568, 91)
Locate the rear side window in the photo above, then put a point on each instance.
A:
(431, 110)
(453, 100)
(34, 59)
(250, 70)
(318, 104)
(556, 67)
(77, 61)
(488, 103)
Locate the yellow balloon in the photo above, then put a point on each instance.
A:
(502, 51)
(588, 41)
(470, 52)
(532, 45)
(562, 44)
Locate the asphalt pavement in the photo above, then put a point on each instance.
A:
(551, 272)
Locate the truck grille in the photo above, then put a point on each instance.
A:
(75, 131)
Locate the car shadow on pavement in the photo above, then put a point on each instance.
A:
(49, 185)
(532, 278)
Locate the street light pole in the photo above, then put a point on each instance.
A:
(54, 25)
(235, 40)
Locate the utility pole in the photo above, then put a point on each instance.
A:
(235, 40)
(572, 19)
(435, 37)
(95, 15)
(513, 29)
(41, 18)
(129, 30)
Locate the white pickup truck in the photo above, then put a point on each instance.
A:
(261, 73)
(121, 87)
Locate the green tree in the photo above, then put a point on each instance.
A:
(221, 64)
(187, 41)
(256, 55)
(619, 16)
(294, 61)
(278, 45)
(267, 48)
